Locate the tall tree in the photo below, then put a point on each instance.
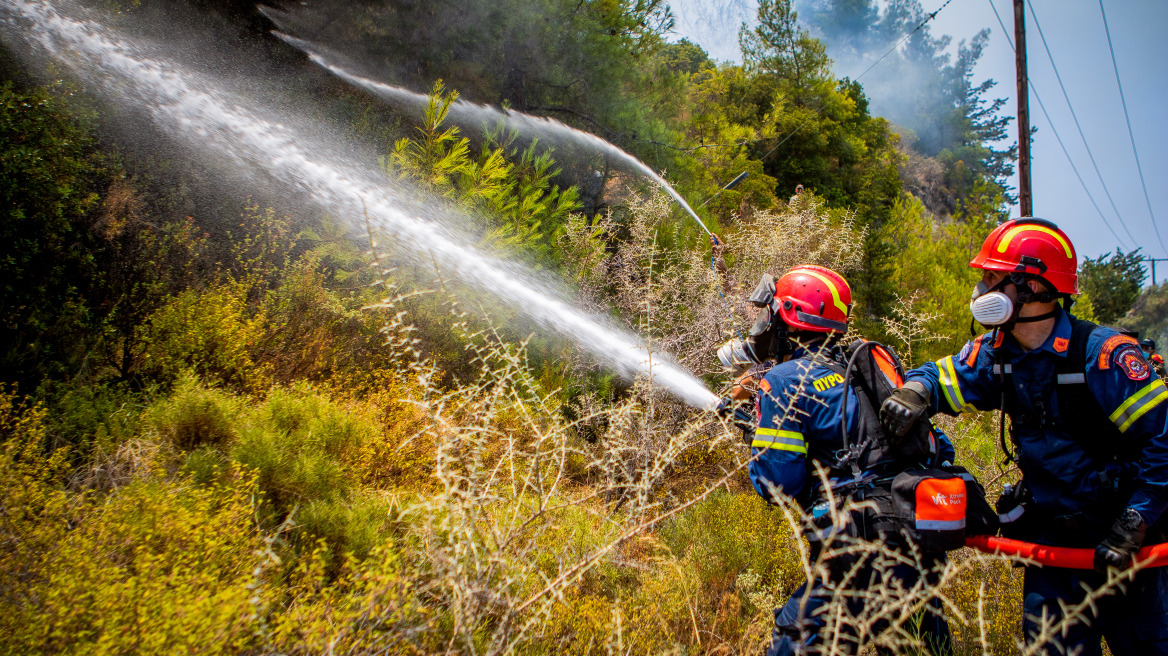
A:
(780, 47)
(1149, 315)
(947, 115)
(1112, 282)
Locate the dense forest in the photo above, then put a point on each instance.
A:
(235, 418)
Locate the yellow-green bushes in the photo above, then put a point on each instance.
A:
(308, 453)
(989, 593)
(212, 332)
(729, 534)
(156, 567)
(35, 510)
(396, 514)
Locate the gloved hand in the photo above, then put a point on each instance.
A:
(1121, 545)
(725, 407)
(1011, 509)
(906, 405)
(739, 414)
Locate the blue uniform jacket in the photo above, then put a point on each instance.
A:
(1063, 477)
(799, 406)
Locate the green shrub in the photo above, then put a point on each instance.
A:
(345, 527)
(206, 465)
(155, 568)
(88, 418)
(728, 534)
(302, 446)
(213, 332)
(195, 416)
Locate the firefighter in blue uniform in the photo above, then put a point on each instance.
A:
(1089, 432)
(797, 425)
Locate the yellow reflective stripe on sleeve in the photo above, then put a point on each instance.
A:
(950, 385)
(1138, 404)
(783, 440)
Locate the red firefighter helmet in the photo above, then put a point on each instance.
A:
(1031, 246)
(813, 298)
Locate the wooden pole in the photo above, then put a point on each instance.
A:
(1024, 198)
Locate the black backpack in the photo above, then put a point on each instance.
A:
(874, 371)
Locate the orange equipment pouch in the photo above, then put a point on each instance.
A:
(930, 505)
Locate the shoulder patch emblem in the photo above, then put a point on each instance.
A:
(1109, 347)
(1061, 344)
(965, 351)
(764, 385)
(1132, 361)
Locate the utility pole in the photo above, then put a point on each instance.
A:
(1024, 198)
(1153, 261)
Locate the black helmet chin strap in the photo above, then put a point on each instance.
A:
(1038, 317)
(1024, 295)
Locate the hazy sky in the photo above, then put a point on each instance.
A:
(1078, 43)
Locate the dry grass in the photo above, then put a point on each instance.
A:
(469, 517)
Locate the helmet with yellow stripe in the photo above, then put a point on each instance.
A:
(813, 298)
(1034, 247)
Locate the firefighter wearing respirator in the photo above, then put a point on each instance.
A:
(1088, 430)
(817, 405)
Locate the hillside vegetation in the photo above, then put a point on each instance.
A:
(231, 425)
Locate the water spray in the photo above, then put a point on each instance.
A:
(250, 136)
(465, 112)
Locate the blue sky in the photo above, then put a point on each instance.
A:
(1074, 31)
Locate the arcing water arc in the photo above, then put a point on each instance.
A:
(227, 126)
(465, 112)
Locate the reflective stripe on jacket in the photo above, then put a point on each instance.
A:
(1064, 468)
(799, 406)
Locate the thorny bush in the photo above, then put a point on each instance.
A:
(464, 517)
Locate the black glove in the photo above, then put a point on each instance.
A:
(1121, 545)
(906, 405)
(1011, 509)
(739, 414)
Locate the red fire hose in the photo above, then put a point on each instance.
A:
(1153, 556)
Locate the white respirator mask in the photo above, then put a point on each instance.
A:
(990, 308)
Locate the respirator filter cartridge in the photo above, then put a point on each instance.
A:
(990, 308)
(736, 355)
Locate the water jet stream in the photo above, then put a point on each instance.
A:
(227, 125)
(466, 112)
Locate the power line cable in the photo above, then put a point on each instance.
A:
(1079, 127)
(1053, 129)
(866, 71)
(906, 38)
(1130, 135)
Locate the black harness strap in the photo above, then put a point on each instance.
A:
(1077, 412)
(873, 446)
